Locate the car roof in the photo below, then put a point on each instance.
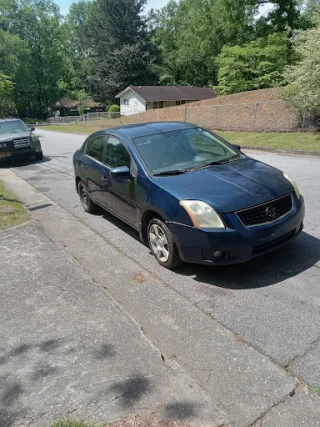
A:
(10, 120)
(141, 129)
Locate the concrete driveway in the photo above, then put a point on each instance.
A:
(68, 350)
(271, 304)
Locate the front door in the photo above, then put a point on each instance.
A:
(120, 195)
(94, 170)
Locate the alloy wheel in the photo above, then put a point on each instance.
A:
(159, 242)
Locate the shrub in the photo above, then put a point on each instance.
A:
(114, 109)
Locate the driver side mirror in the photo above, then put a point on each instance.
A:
(121, 172)
(237, 147)
(32, 129)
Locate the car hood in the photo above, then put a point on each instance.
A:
(15, 135)
(229, 187)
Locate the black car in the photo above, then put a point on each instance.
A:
(16, 140)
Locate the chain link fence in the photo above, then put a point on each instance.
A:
(266, 116)
(85, 118)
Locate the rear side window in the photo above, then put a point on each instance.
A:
(116, 154)
(94, 148)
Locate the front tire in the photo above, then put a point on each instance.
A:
(162, 244)
(39, 156)
(86, 202)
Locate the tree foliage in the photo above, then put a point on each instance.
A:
(255, 65)
(190, 34)
(7, 105)
(304, 77)
(102, 46)
(120, 49)
(33, 52)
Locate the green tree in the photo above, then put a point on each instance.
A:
(303, 91)
(82, 97)
(15, 59)
(40, 61)
(255, 65)
(190, 34)
(8, 10)
(284, 16)
(40, 27)
(77, 46)
(120, 51)
(7, 106)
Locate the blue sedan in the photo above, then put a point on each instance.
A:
(190, 194)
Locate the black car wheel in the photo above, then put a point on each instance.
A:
(86, 202)
(39, 156)
(162, 244)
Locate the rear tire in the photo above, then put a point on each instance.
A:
(162, 244)
(86, 202)
(39, 156)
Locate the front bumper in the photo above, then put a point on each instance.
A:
(21, 153)
(237, 242)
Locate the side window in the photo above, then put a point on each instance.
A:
(94, 147)
(116, 154)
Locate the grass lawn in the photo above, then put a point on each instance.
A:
(72, 128)
(12, 211)
(299, 141)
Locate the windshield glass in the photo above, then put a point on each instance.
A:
(13, 126)
(182, 150)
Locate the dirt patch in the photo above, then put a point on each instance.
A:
(140, 278)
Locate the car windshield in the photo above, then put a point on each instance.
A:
(12, 126)
(183, 150)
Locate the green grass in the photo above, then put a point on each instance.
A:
(297, 141)
(72, 128)
(12, 211)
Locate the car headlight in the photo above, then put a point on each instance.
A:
(292, 182)
(201, 214)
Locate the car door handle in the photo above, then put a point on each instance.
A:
(104, 179)
(84, 166)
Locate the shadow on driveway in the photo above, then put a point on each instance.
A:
(292, 259)
(296, 257)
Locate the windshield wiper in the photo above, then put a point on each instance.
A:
(172, 172)
(214, 163)
(196, 168)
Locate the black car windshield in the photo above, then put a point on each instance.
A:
(12, 126)
(183, 150)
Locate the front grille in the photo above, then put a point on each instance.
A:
(18, 143)
(267, 212)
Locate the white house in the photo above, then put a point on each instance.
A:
(137, 99)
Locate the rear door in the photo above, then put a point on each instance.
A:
(93, 169)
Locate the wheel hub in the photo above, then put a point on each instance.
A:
(159, 242)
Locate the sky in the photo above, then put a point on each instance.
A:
(152, 4)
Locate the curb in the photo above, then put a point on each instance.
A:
(284, 152)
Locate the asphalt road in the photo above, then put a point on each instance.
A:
(273, 303)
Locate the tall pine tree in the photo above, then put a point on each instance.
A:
(120, 50)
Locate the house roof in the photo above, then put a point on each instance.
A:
(170, 93)
(71, 103)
